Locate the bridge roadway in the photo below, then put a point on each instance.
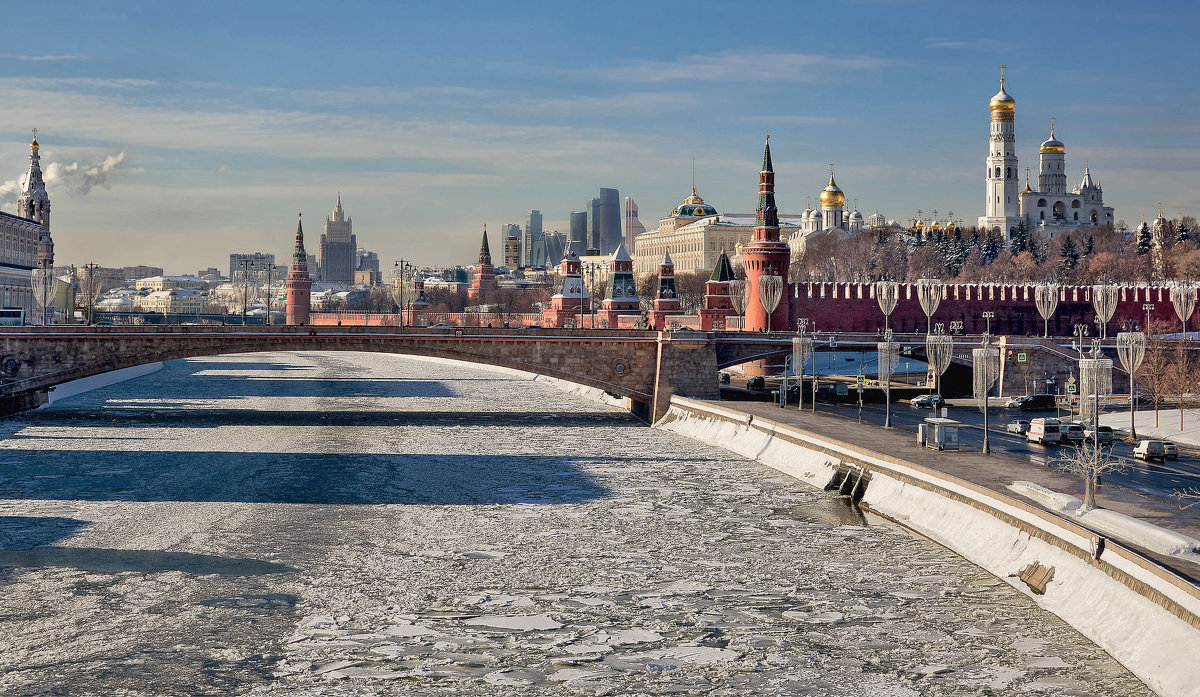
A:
(645, 366)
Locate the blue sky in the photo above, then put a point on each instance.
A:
(183, 133)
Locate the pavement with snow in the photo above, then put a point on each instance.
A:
(306, 523)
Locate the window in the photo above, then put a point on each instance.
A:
(1075, 203)
(1041, 203)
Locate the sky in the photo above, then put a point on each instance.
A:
(173, 134)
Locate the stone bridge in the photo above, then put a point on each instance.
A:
(644, 366)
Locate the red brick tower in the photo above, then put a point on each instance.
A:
(766, 255)
(718, 305)
(299, 283)
(620, 295)
(485, 274)
(666, 302)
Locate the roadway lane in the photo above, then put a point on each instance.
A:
(1157, 480)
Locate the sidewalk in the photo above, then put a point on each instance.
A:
(1168, 425)
(996, 472)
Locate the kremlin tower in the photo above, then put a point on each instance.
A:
(484, 282)
(766, 255)
(299, 283)
(620, 295)
(718, 304)
(666, 302)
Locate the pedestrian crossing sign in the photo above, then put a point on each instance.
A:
(1070, 389)
(862, 379)
(1022, 357)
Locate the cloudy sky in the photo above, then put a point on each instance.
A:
(175, 134)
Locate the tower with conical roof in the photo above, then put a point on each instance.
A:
(766, 254)
(33, 203)
(572, 301)
(1001, 209)
(620, 292)
(484, 281)
(666, 301)
(298, 283)
(718, 303)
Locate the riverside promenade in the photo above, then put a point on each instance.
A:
(996, 472)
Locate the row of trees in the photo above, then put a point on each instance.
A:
(1086, 255)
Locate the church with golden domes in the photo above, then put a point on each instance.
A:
(832, 213)
(1052, 207)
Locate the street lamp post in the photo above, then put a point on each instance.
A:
(1147, 307)
(399, 274)
(1081, 331)
(987, 344)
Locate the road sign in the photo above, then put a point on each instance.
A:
(1071, 380)
(1070, 389)
(862, 379)
(1021, 357)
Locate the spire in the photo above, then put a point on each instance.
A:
(619, 254)
(667, 258)
(33, 203)
(484, 250)
(338, 214)
(299, 256)
(767, 156)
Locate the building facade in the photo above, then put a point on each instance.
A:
(22, 234)
(247, 263)
(533, 247)
(632, 225)
(339, 248)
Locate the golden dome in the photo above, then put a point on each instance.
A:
(693, 198)
(831, 195)
(1002, 102)
(1053, 144)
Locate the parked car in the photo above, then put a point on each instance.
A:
(1150, 450)
(1103, 434)
(441, 325)
(756, 383)
(1073, 433)
(926, 401)
(1170, 449)
(1044, 431)
(1017, 426)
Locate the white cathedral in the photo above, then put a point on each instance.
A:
(1052, 207)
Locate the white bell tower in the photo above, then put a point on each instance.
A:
(1002, 207)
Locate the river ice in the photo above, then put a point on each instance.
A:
(354, 524)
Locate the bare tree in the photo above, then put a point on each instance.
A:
(1156, 363)
(1090, 464)
(1191, 493)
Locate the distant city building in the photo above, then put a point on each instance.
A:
(155, 283)
(247, 262)
(512, 246)
(633, 227)
(367, 261)
(206, 274)
(610, 221)
(109, 277)
(556, 244)
(592, 241)
(23, 234)
(339, 247)
(368, 278)
(143, 271)
(577, 235)
(533, 246)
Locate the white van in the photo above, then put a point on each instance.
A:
(1044, 431)
(1150, 450)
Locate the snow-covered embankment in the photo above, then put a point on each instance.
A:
(1146, 617)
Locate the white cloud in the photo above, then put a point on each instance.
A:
(736, 66)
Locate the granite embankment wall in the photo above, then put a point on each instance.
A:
(1142, 614)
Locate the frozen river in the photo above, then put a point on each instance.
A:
(337, 523)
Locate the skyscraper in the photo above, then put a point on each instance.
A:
(533, 247)
(510, 233)
(578, 233)
(633, 226)
(339, 247)
(610, 220)
(593, 226)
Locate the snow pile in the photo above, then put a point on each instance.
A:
(1113, 524)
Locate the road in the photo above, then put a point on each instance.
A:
(1154, 479)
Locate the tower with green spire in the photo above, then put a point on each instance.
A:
(766, 255)
(299, 283)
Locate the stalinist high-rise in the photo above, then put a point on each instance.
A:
(339, 248)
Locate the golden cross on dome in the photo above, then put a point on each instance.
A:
(1002, 67)
(1051, 126)
(35, 134)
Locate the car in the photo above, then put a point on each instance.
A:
(1150, 450)
(928, 401)
(1103, 435)
(756, 383)
(1073, 433)
(1015, 402)
(441, 325)
(723, 378)
(1170, 449)
(1017, 426)
(1037, 402)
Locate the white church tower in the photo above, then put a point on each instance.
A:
(1002, 208)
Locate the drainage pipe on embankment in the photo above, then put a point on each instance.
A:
(1145, 616)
